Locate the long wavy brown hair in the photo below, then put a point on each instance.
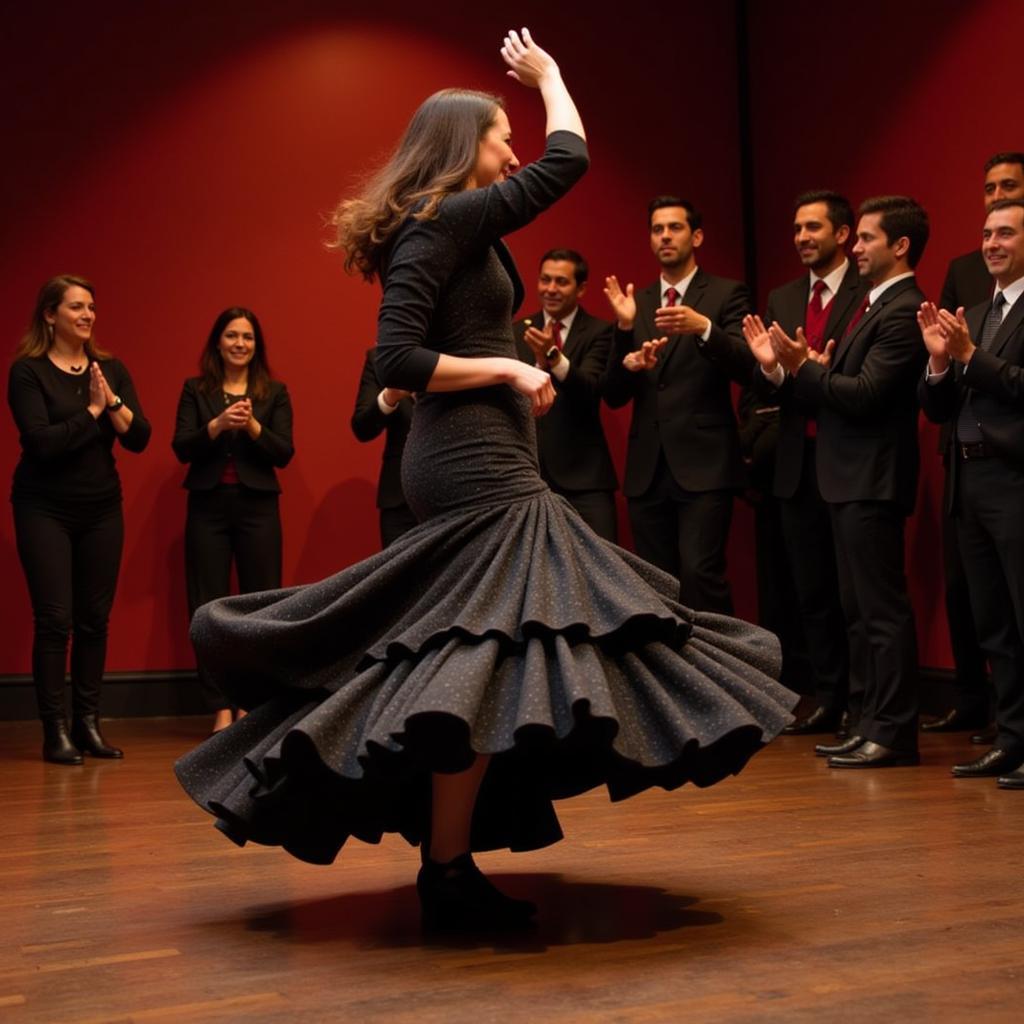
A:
(211, 364)
(435, 157)
(39, 336)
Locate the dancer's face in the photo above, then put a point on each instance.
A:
(495, 160)
(237, 343)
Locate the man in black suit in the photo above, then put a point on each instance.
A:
(385, 409)
(820, 303)
(574, 347)
(968, 283)
(863, 387)
(975, 380)
(678, 344)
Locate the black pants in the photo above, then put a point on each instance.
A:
(596, 509)
(807, 529)
(685, 533)
(394, 522)
(229, 524)
(71, 554)
(990, 524)
(879, 620)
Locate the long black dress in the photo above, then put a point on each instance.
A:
(501, 624)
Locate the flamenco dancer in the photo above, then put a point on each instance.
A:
(500, 655)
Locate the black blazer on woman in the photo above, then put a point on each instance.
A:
(254, 460)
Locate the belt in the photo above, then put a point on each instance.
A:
(977, 450)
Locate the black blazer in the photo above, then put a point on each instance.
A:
(995, 379)
(684, 405)
(967, 283)
(866, 402)
(787, 306)
(254, 460)
(369, 422)
(570, 439)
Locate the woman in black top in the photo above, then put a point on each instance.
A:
(234, 425)
(70, 401)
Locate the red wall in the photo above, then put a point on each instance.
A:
(886, 98)
(181, 156)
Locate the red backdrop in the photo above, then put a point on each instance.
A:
(181, 155)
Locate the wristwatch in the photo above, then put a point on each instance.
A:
(115, 404)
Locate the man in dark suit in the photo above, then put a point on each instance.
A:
(678, 344)
(863, 388)
(574, 346)
(968, 283)
(975, 380)
(820, 303)
(390, 410)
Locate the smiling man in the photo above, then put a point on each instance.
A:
(574, 346)
(975, 382)
(820, 302)
(863, 392)
(678, 345)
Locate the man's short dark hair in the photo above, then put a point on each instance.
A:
(580, 268)
(902, 217)
(1004, 158)
(840, 212)
(1004, 204)
(693, 215)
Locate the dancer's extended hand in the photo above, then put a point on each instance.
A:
(527, 62)
(535, 384)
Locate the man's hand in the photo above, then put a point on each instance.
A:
(935, 337)
(791, 352)
(540, 342)
(824, 357)
(680, 320)
(622, 302)
(959, 344)
(759, 343)
(645, 357)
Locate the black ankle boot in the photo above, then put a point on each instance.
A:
(87, 737)
(57, 745)
(458, 896)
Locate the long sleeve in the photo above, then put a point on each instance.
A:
(368, 421)
(726, 347)
(191, 439)
(137, 436)
(275, 439)
(620, 384)
(41, 438)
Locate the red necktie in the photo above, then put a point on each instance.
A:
(861, 310)
(816, 319)
(556, 334)
(671, 296)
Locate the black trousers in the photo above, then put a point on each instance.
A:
(807, 529)
(869, 548)
(394, 522)
(990, 524)
(970, 683)
(596, 509)
(230, 524)
(71, 555)
(685, 533)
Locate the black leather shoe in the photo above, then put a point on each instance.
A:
(957, 720)
(873, 755)
(1015, 780)
(818, 721)
(986, 737)
(995, 762)
(57, 745)
(457, 896)
(831, 749)
(88, 738)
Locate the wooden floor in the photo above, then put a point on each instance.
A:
(791, 893)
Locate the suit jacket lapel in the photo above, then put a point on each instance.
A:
(869, 317)
(576, 333)
(1011, 322)
(845, 297)
(693, 298)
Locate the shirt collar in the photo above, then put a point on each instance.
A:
(832, 280)
(1012, 292)
(680, 286)
(877, 291)
(566, 322)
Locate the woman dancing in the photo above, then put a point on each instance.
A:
(500, 655)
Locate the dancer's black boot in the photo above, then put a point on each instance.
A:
(457, 896)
